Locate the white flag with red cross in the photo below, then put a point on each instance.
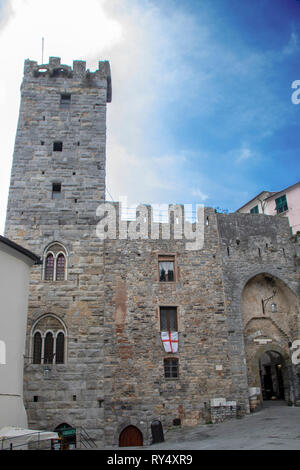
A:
(170, 341)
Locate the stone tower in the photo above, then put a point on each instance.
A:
(57, 182)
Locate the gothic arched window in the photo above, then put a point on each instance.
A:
(55, 263)
(48, 340)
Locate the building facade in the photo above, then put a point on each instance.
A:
(127, 330)
(284, 203)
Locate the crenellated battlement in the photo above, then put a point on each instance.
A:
(54, 70)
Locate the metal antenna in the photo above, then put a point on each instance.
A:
(42, 50)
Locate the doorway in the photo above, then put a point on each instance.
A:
(67, 437)
(131, 437)
(272, 373)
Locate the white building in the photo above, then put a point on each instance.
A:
(285, 203)
(15, 263)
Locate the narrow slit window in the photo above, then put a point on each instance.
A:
(65, 100)
(57, 146)
(56, 190)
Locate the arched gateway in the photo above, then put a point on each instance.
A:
(269, 311)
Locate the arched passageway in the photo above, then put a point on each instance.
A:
(270, 313)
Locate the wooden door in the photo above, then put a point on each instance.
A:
(131, 436)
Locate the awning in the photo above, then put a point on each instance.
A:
(19, 437)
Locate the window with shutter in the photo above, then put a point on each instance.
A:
(281, 204)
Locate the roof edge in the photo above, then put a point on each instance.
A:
(20, 249)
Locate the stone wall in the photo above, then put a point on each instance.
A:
(136, 391)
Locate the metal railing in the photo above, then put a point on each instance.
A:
(84, 439)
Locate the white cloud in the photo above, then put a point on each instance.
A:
(293, 44)
(197, 193)
(244, 154)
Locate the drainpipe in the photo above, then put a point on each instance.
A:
(292, 378)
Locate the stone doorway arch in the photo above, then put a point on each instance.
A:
(131, 436)
(270, 313)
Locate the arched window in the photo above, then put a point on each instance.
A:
(49, 340)
(55, 263)
(60, 348)
(37, 348)
(60, 267)
(49, 268)
(48, 348)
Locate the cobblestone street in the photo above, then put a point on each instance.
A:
(276, 426)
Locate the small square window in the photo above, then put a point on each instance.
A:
(57, 146)
(65, 100)
(56, 190)
(166, 265)
(171, 368)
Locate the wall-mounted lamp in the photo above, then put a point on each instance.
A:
(274, 307)
(47, 372)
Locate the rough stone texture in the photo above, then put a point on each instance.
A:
(109, 303)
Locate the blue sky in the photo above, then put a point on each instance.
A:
(201, 109)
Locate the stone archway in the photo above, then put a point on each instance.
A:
(270, 323)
